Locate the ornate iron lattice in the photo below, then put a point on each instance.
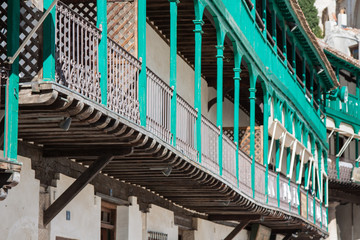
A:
(87, 10)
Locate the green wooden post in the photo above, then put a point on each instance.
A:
(198, 38)
(312, 86)
(142, 57)
(173, 64)
(12, 86)
(357, 151)
(304, 73)
(237, 79)
(358, 85)
(219, 100)
(337, 149)
(293, 53)
(49, 43)
(102, 24)
(284, 41)
(319, 170)
(277, 161)
(263, 14)
(273, 26)
(266, 142)
(252, 98)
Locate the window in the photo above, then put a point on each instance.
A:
(354, 51)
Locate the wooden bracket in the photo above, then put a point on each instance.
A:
(71, 192)
(241, 226)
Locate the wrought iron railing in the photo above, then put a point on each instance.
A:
(260, 183)
(345, 167)
(158, 106)
(77, 53)
(123, 76)
(185, 128)
(209, 145)
(229, 160)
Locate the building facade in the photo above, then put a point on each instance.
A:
(153, 119)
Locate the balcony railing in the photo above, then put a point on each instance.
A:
(158, 106)
(77, 61)
(345, 166)
(77, 53)
(351, 107)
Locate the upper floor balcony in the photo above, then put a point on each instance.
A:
(272, 165)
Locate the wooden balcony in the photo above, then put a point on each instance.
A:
(146, 156)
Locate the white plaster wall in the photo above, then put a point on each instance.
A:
(85, 210)
(228, 112)
(158, 60)
(330, 5)
(344, 220)
(129, 221)
(161, 220)
(20, 210)
(212, 231)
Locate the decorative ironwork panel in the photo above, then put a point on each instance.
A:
(87, 10)
(123, 75)
(158, 106)
(260, 183)
(77, 53)
(272, 189)
(157, 236)
(185, 128)
(209, 145)
(229, 160)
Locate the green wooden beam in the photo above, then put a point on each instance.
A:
(219, 101)
(101, 23)
(266, 116)
(252, 98)
(173, 64)
(49, 43)
(142, 56)
(237, 79)
(198, 39)
(12, 86)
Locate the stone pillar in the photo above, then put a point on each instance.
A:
(129, 221)
(332, 227)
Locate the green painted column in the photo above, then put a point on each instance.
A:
(142, 56)
(358, 85)
(102, 25)
(320, 169)
(337, 149)
(252, 98)
(273, 26)
(198, 39)
(293, 53)
(49, 43)
(312, 86)
(304, 73)
(263, 15)
(219, 100)
(357, 151)
(284, 40)
(12, 86)
(236, 116)
(277, 161)
(173, 64)
(266, 142)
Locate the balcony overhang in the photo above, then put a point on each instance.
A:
(95, 130)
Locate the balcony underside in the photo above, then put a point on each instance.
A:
(96, 131)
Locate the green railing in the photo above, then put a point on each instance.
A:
(351, 107)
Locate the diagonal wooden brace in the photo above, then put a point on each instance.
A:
(240, 227)
(71, 192)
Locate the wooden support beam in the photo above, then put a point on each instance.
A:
(288, 236)
(75, 188)
(233, 217)
(85, 152)
(237, 229)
